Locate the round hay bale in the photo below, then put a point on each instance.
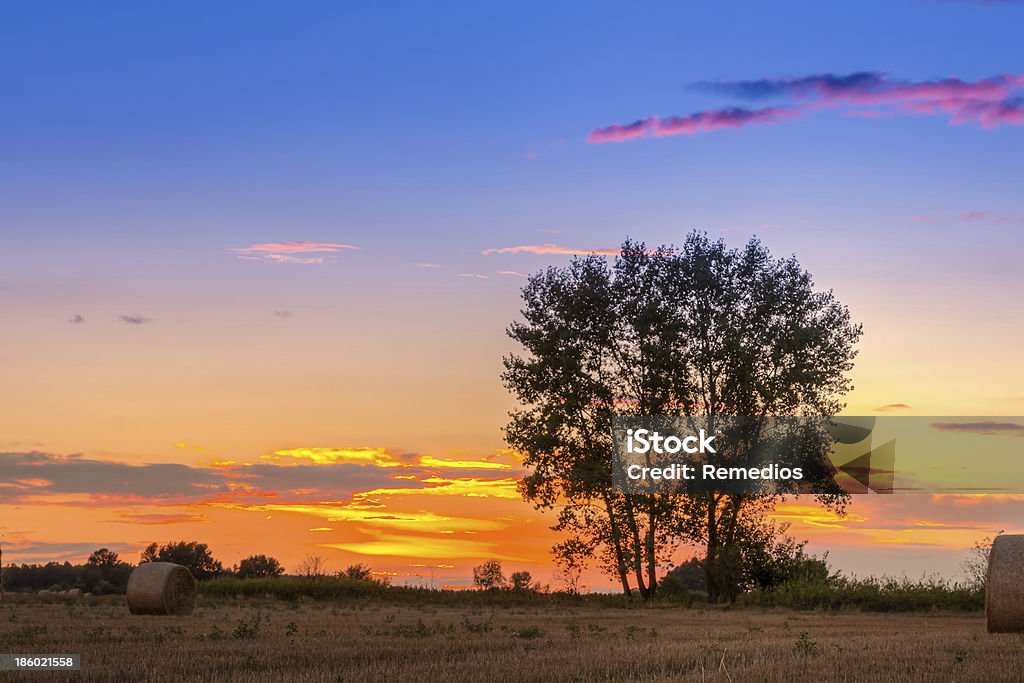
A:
(1004, 588)
(161, 588)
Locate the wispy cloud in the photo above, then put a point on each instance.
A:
(892, 406)
(158, 519)
(134, 319)
(866, 87)
(290, 252)
(548, 249)
(512, 273)
(283, 314)
(699, 122)
(304, 472)
(39, 551)
(429, 266)
(474, 276)
(541, 151)
(987, 102)
(985, 427)
(76, 319)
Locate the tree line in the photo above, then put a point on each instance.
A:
(104, 572)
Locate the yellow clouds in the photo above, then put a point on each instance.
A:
(422, 547)
(414, 520)
(814, 515)
(469, 487)
(430, 461)
(378, 457)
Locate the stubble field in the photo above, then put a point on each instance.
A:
(272, 641)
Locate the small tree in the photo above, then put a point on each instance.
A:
(104, 572)
(569, 576)
(195, 556)
(976, 564)
(488, 575)
(259, 566)
(357, 572)
(522, 581)
(312, 566)
(103, 558)
(150, 554)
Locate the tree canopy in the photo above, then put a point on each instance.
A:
(698, 330)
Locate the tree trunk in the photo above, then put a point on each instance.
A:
(711, 560)
(620, 559)
(652, 569)
(638, 555)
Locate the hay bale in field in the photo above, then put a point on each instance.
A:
(161, 588)
(1004, 588)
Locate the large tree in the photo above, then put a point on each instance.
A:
(699, 330)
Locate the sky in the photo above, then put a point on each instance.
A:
(258, 259)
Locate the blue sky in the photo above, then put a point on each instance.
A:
(412, 125)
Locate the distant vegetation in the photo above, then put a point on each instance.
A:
(103, 573)
(788, 578)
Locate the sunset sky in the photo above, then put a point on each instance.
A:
(258, 264)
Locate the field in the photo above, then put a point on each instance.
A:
(273, 640)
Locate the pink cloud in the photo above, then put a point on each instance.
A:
(868, 88)
(893, 406)
(699, 122)
(285, 252)
(550, 249)
(988, 102)
(974, 216)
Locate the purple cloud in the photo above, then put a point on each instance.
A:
(699, 122)
(987, 102)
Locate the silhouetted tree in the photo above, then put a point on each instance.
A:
(359, 572)
(103, 558)
(196, 556)
(258, 567)
(488, 575)
(521, 581)
(976, 564)
(104, 572)
(701, 331)
(312, 566)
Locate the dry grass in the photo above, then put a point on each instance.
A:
(272, 641)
